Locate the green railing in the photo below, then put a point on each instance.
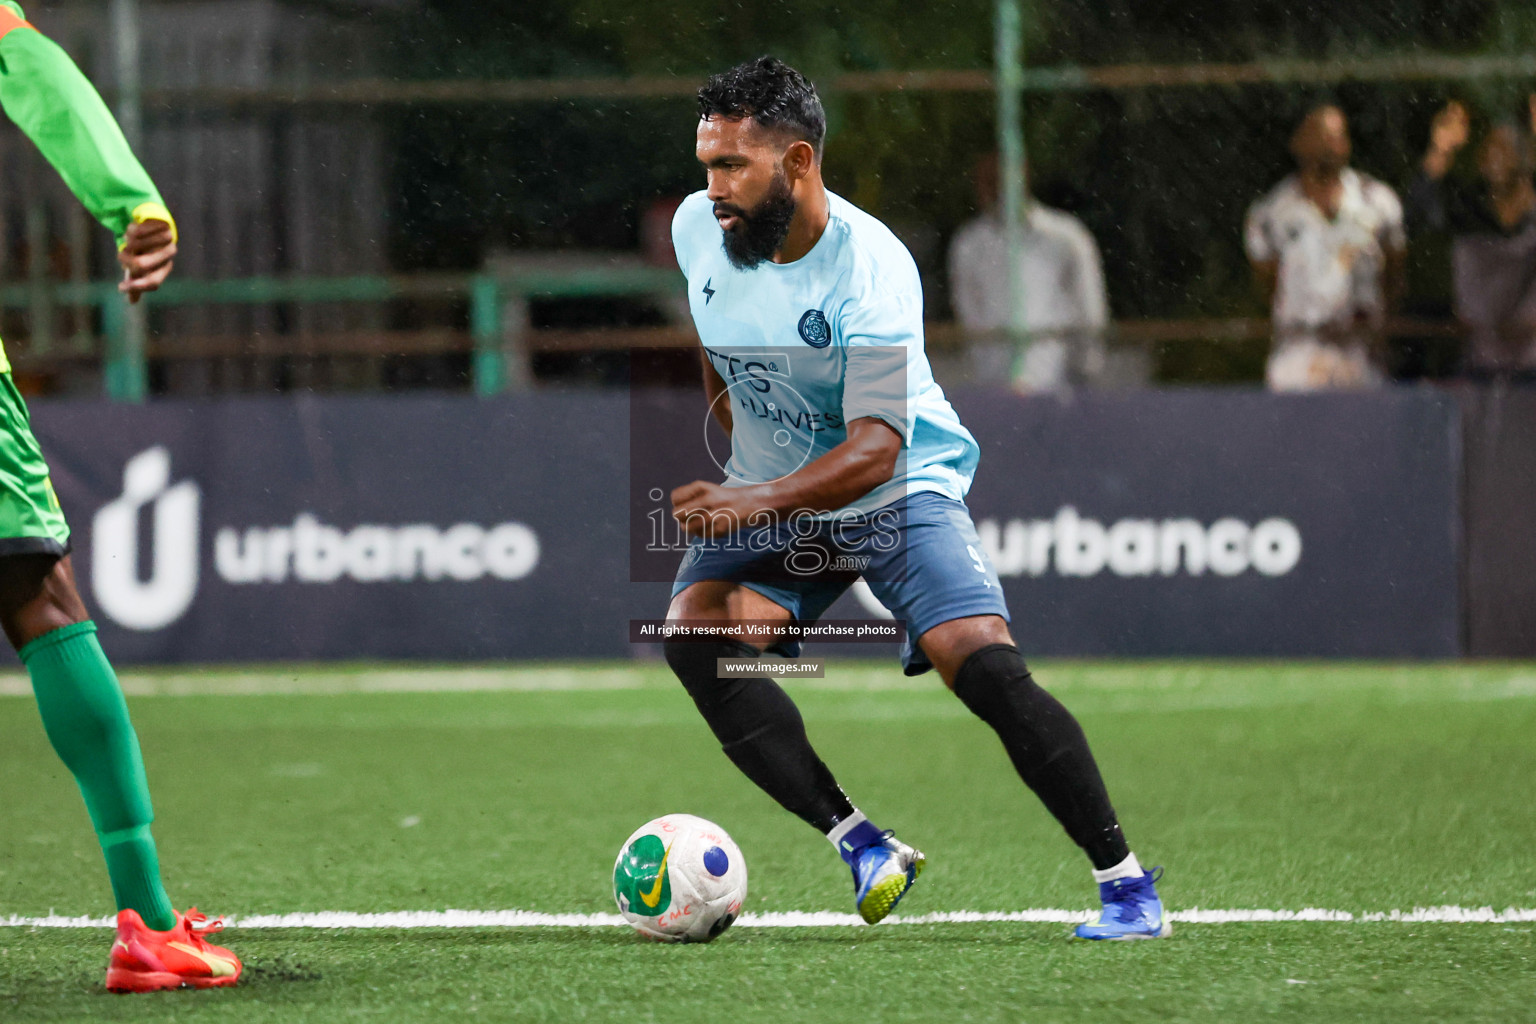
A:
(498, 361)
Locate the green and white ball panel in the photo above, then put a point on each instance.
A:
(680, 878)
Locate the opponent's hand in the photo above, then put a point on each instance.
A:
(708, 510)
(146, 256)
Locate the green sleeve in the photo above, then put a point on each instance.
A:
(50, 100)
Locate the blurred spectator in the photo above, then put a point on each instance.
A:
(1492, 225)
(1063, 281)
(1327, 248)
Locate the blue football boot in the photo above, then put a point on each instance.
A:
(882, 874)
(1131, 910)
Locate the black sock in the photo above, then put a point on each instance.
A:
(1047, 747)
(760, 730)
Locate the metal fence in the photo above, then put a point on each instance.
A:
(343, 223)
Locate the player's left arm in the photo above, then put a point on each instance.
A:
(50, 100)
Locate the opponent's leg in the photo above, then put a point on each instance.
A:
(86, 719)
(87, 722)
(761, 731)
(978, 660)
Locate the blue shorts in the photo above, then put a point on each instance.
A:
(920, 556)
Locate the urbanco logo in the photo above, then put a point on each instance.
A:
(307, 552)
(166, 595)
(1073, 545)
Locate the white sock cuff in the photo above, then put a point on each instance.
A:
(842, 828)
(1128, 868)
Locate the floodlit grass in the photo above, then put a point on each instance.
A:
(1359, 788)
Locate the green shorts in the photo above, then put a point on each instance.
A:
(31, 522)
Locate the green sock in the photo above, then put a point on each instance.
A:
(86, 719)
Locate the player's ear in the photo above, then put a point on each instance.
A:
(799, 159)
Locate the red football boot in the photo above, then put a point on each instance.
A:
(144, 960)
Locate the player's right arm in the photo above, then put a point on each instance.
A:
(53, 103)
(854, 468)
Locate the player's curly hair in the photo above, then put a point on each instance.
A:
(770, 92)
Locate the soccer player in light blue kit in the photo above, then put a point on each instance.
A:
(846, 460)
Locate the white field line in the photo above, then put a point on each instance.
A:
(347, 921)
(1113, 697)
(278, 684)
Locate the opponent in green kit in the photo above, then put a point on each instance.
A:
(82, 706)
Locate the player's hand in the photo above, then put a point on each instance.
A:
(708, 510)
(147, 254)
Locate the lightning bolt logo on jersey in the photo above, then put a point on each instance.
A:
(804, 348)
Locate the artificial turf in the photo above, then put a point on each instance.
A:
(1358, 788)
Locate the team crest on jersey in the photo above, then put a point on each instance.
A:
(814, 330)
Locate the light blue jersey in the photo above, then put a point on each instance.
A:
(807, 347)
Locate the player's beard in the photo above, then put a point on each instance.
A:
(758, 234)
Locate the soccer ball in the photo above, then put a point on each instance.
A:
(680, 879)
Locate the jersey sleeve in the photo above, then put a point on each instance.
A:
(49, 99)
(882, 331)
(685, 228)
(679, 241)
